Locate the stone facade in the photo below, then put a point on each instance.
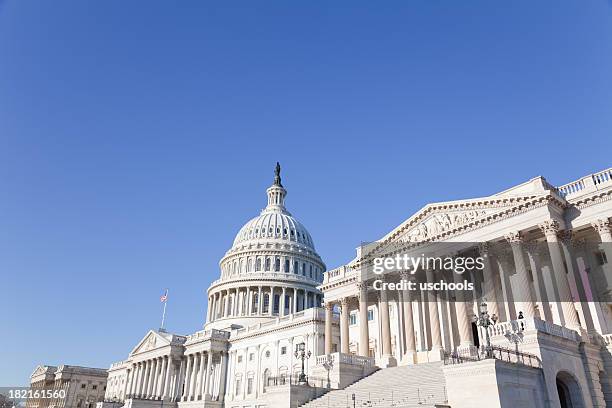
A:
(68, 386)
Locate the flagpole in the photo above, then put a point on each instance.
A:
(164, 312)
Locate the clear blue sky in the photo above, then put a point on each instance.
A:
(136, 137)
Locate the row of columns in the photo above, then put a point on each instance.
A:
(250, 301)
(519, 288)
(198, 374)
(151, 379)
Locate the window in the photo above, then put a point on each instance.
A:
(353, 319)
(250, 386)
(239, 360)
(251, 356)
(267, 353)
(296, 267)
(258, 262)
(370, 315)
(283, 350)
(267, 264)
(304, 269)
(82, 386)
(311, 271)
(277, 265)
(238, 386)
(94, 387)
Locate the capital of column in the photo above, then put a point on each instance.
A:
(362, 290)
(329, 306)
(484, 248)
(550, 228)
(514, 237)
(602, 226)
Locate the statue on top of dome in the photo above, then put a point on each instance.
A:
(277, 177)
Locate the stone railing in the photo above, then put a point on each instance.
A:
(344, 358)
(119, 364)
(508, 355)
(337, 273)
(204, 334)
(517, 326)
(586, 184)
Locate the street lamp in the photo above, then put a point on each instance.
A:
(485, 321)
(301, 353)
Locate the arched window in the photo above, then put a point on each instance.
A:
(267, 264)
(296, 267)
(304, 269)
(277, 264)
(286, 265)
(310, 271)
(258, 263)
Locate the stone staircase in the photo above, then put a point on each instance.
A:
(411, 386)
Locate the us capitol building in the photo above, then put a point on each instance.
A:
(283, 331)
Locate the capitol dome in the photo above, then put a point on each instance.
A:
(272, 268)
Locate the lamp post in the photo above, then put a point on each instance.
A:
(485, 321)
(328, 364)
(301, 353)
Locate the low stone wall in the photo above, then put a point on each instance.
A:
(494, 384)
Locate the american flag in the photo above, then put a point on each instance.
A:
(164, 297)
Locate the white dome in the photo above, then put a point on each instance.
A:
(273, 225)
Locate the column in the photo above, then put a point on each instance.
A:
(248, 302)
(165, 384)
(410, 352)
(141, 378)
(281, 303)
(259, 302)
(222, 374)
(193, 378)
(573, 274)
(328, 327)
(135, 380)
(145, 390)
(464, 317)
(271, 301)
(539, 282)
(603, 229)
(187, 378)
(364, 335)
(525, 303)
(434, 318)
(199, 392)
(207, 373)
(294, 300)
(388, 359)
(344, 325)
(226, 304)
(569, 316)
(130, 381)
(237, 302)
(208, 311)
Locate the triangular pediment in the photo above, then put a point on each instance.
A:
(151, 341)
(41, 369)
